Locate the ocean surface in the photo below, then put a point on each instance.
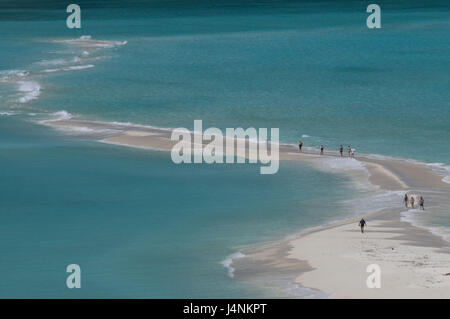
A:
(140, 226)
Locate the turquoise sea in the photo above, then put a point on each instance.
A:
(140, 226)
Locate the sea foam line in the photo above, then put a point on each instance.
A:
(32, 90)
(229, 261)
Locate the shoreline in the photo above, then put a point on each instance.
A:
(413, 261)
(329, 260)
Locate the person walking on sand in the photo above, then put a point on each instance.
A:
(412, 201)
(349, 150)
(341, 150)
(421, 203)
(300, 144)
(406, 199)
(361, 224)
(321, 149)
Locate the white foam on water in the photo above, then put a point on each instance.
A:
(346, 166)
(8, 113)
(417, 218)
(82, 130)
(31, 89)
(129, 124)
(229, 261)
(305, 135)
(374, 202)
(412, 216)
(87, 41)
(382, 157)
(78, 67)
(58, 116)
(12, 76)
(290, 288)
(53, 62)
(284, 285)
(62, 115)
(432, 216)
(51, 70)
(339, 164)
(442, 170)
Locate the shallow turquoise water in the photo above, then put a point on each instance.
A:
(330, 76)
(140, 226)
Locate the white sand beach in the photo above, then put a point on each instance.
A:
(333, 259)
(413, 263)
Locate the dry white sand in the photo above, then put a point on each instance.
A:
(410, 262)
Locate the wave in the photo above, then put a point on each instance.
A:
(374, 202)
(57, 116)
(351, 167)
(26, 82)
(284, 286)
(78, 67)
(229, 261)
(8, 113)
(442, 170)
(85, 131)
(51, 70)
(28, 89)
(53, 62)
(87, 42)
(129, 124)
(418, 218)
(340, 164)
(12, 75)
(31, 89)
(62, 115)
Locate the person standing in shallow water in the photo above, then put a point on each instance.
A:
(349, 150)
(361, 224)
(300, 145)
(341, 150)
(412, 201)
(406, 199)
(321, 149)
(421, 203)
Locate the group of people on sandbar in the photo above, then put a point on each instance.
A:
(411, 200)
(350, 151)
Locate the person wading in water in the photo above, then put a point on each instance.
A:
(421, 203)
